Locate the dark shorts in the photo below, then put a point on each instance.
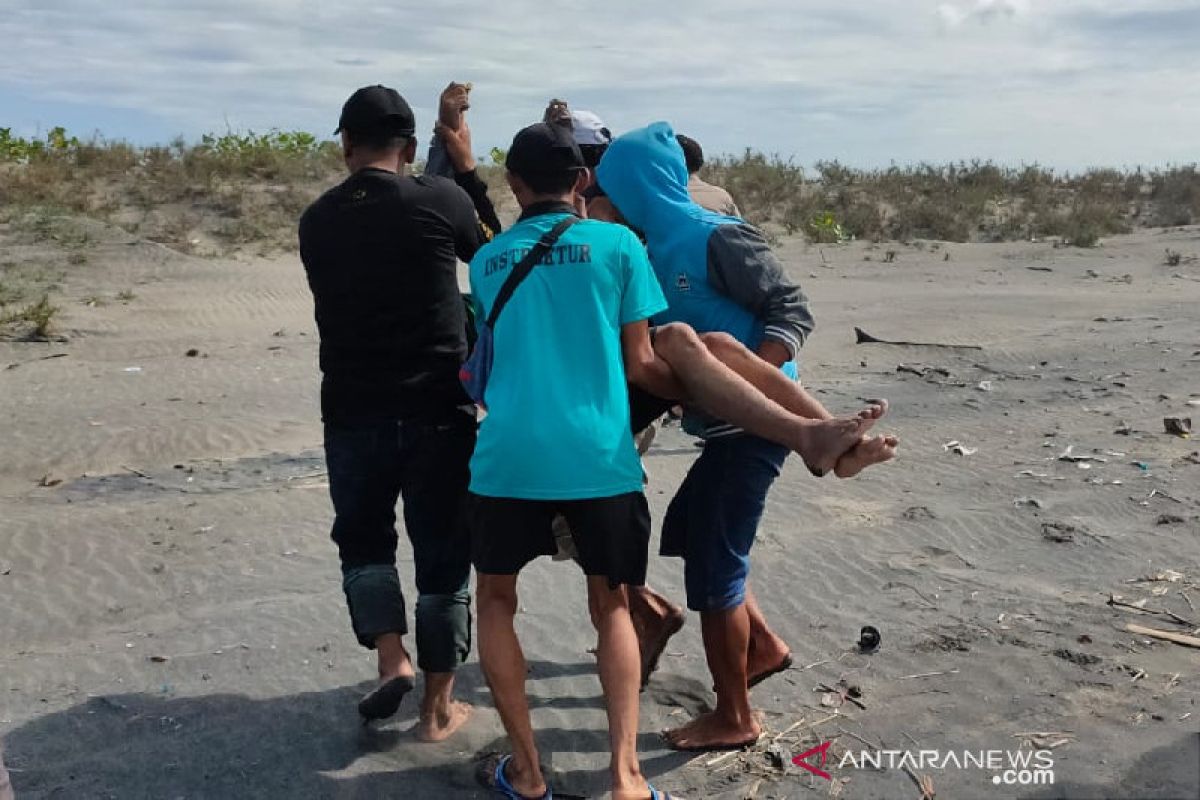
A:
(713, 518)
(611, 534)
(644, 408)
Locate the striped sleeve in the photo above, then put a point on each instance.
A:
(742, 266)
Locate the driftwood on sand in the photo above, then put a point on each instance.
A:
(1170, 636)
(862, 337)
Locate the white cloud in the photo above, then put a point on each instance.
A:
(867, 82)
(983, 11)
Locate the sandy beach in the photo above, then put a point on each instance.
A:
(171, 617)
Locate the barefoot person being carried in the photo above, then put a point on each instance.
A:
(380, 251)
(719, 275)
(727, 380)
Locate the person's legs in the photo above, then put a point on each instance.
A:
(655, 620)
(434, 488)
(722, 392)
(364, 469)
(732, 723)
(503, 665)
(768, 653)
(618, 661)
(713, 523)
(506, 534)
(612, 535)
(767, 378)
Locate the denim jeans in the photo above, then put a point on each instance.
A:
(425, 462)
(713, 518)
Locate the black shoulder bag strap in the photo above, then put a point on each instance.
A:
(525, 266)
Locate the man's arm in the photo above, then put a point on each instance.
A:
(642, 298)
(643, 367)
(477, 189)
(458, 149)
(742, 266)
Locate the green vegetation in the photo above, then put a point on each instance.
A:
(824, 228)
(16, 149)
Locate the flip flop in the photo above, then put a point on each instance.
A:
(660, 645)
(655, 794)
(384, 700)
(493, 777)
(782, 666)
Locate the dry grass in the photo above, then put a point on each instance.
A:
(223, 193)
(33, 322)
(236, 192)
(976, 201)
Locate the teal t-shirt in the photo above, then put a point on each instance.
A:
(557, 424)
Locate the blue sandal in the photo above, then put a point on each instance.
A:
(655, 794)
(499, 783)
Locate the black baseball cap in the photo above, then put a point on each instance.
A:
(543, 148)
(374, 107)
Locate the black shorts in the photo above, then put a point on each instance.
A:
(644, 408)
(612, 534)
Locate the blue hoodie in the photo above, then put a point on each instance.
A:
(718, 273)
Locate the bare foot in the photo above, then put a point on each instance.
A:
(823, 442)
(875, 410)
(871, 450)
(453, 102)
(655, 621)
(710, 732)
(767, 653)
(438, 727)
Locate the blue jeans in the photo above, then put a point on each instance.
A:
(713, 518)
(426, 462)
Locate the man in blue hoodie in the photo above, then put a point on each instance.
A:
(718, 275)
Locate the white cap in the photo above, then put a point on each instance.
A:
(589, 128)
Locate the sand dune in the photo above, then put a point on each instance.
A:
(173, 625)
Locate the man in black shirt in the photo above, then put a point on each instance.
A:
(380, 251)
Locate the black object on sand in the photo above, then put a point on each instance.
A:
(868, 639)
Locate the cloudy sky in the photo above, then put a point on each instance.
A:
(1069, 83)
